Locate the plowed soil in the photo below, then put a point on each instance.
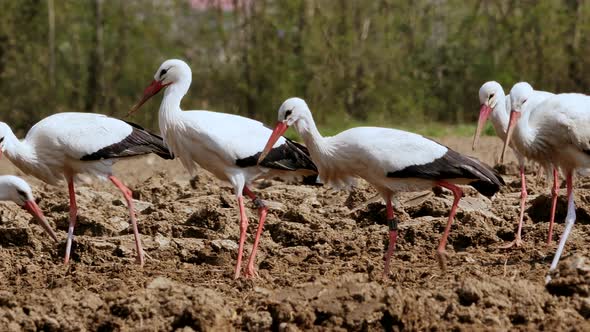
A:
(320, 260)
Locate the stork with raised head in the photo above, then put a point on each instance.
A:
(389, 159)
(226, 145)
(64, 145)
(534, 98)
(556, 131)
(495, 105)
(17, 190)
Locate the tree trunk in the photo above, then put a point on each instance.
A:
(95, 86)
(51, 42)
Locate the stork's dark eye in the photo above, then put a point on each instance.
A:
(491, 96)
(288, 113)
(22, 194)
(524, 101)
(163, 72)
(1, 139)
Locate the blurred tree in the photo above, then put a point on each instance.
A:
(382, 61)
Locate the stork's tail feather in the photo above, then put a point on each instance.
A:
(290, 156)
(139, 142)
(489, 182)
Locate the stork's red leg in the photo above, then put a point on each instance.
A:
(262, 211)
(554, 193)
(392, 223)
(457, 193)
(73, 215)
(127, 194)
(243, 229)
(523, 196)
(570, 219)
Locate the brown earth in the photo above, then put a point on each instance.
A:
(320, 259)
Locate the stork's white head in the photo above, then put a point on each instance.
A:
(519, 94)
(489, 96)
(171, 72)
(13, 188)
(293, 112)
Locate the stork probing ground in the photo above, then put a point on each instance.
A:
(389, 159)
(556, 131)
(17, 190)
(496, 106)
(224, 144)
(66, 144)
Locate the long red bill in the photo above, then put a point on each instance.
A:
(514, 116)
(484, 113)
(279, 130)
(150, 91)
(34, 210)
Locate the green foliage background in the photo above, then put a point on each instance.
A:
(394, 63)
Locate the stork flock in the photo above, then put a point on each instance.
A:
(540, 126)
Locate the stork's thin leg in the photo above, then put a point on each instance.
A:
(392, 223)
(262, 211)
(570, 219)
(73, 215)
(457, 193)
(554, 193)
(523, 196)
(127, 194)
(243, 229)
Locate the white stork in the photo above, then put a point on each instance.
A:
(224, 144)
(64, 145)
(13, 188)
(496, 106)
(555, 131)
(389, 159)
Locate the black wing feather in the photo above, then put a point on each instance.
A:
(453, 165)
(139, 142)
(290, 156)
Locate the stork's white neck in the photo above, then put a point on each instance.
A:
(524, 135)
(170, 108)
(318, 146)
(20, 153)
(499, 116)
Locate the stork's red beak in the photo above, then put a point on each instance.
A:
(279, 130)
(484, 113)
(150, 91)
(34, 209)
(514, 116)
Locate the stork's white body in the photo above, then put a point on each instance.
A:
(557, 130)
(215, 141)
(54, 146)
(370, 153)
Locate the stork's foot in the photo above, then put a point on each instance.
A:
(139, 260)
(441, 257)
(516, 243)
(251, 272)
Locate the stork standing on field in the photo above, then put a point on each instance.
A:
(496, 106)
(64, 145)
(13, 188)
(556, 131)
(389, 159)
(224, 144)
